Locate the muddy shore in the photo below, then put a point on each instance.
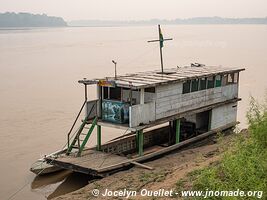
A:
(167, 171)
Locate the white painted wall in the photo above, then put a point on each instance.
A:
(142, 113)
(94, 110)
(170, 100)
(223, 115)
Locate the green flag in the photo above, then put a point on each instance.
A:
(161, 38)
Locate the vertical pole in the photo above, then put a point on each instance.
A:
(98, 103)
(160, 49)
(142, 96)
(178, 128)
(115, 70)
(131, 96)
(210, 115)
(140, 142)
(170, 133)
(137, 140)
(98, 137)
(85, 92)
(121, 94)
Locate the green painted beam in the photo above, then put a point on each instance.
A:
(210, 115)
(98, 138)
(178, 128)
(77, 135)
(140, 142)
(87, 136)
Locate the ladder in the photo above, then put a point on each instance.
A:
(82, 136)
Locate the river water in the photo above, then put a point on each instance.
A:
(40, 96)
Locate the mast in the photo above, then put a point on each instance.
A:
(161, 40)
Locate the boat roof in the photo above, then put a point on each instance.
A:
(154, 78)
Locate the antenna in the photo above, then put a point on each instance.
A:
(115, 63)
(161, 41)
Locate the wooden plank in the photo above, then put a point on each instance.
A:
(141, 165)
(167, 149)
(92, 159)
(134, 81)
(142, 79)
(160, 78)
(138, 78)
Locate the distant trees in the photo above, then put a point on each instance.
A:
(196, 20)
(11, 19)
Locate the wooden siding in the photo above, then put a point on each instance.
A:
(142, 114)
(223, 115)
(171, 101)
(93, 107)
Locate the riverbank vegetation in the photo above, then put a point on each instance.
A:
(243, 165)
(11, 19)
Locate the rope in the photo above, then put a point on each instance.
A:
(140, 55)
(21, 188)
(111, 154)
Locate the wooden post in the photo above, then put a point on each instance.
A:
(140, 142)
(178, 127)
(85, 92)
(99, 102)
(170, 132)
(210, 115)
(160, 40)
(142, 96)
(98, 137)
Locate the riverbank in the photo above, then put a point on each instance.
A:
(165, 174)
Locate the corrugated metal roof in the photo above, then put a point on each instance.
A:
(154, 78)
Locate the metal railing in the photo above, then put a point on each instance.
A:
(75, 122)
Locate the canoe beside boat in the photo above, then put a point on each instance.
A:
(41, 167)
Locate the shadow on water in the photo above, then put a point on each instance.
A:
(59, 183)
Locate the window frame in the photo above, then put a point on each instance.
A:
(213, 81)
(196, 86)
(216, 81)
(200, 84)
(188, 87)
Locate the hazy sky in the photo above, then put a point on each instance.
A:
(138, 9)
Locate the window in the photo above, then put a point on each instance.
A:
(150, 89)
(210, 82)
(224, 80)
(236, 78)
(230, 79)
(194, 85)
(218, 81)
(115, 93)
(203, 84)
(186, 87)
(105, 92)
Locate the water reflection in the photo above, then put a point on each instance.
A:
(59, 183)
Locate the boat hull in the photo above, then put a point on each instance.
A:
(40, 167)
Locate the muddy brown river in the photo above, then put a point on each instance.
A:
(40, 96)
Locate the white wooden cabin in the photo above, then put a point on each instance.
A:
(195, 101)
(204, 95)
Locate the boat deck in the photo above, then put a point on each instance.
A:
(99, 163)
(90, 162)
